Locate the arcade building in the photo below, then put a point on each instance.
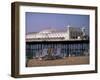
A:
(72, 41)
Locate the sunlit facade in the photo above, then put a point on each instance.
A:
(71, 33)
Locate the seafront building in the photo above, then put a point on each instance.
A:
(72, 41)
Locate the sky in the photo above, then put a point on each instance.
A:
(36, 22)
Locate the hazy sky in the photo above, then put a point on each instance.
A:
(36, 22)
